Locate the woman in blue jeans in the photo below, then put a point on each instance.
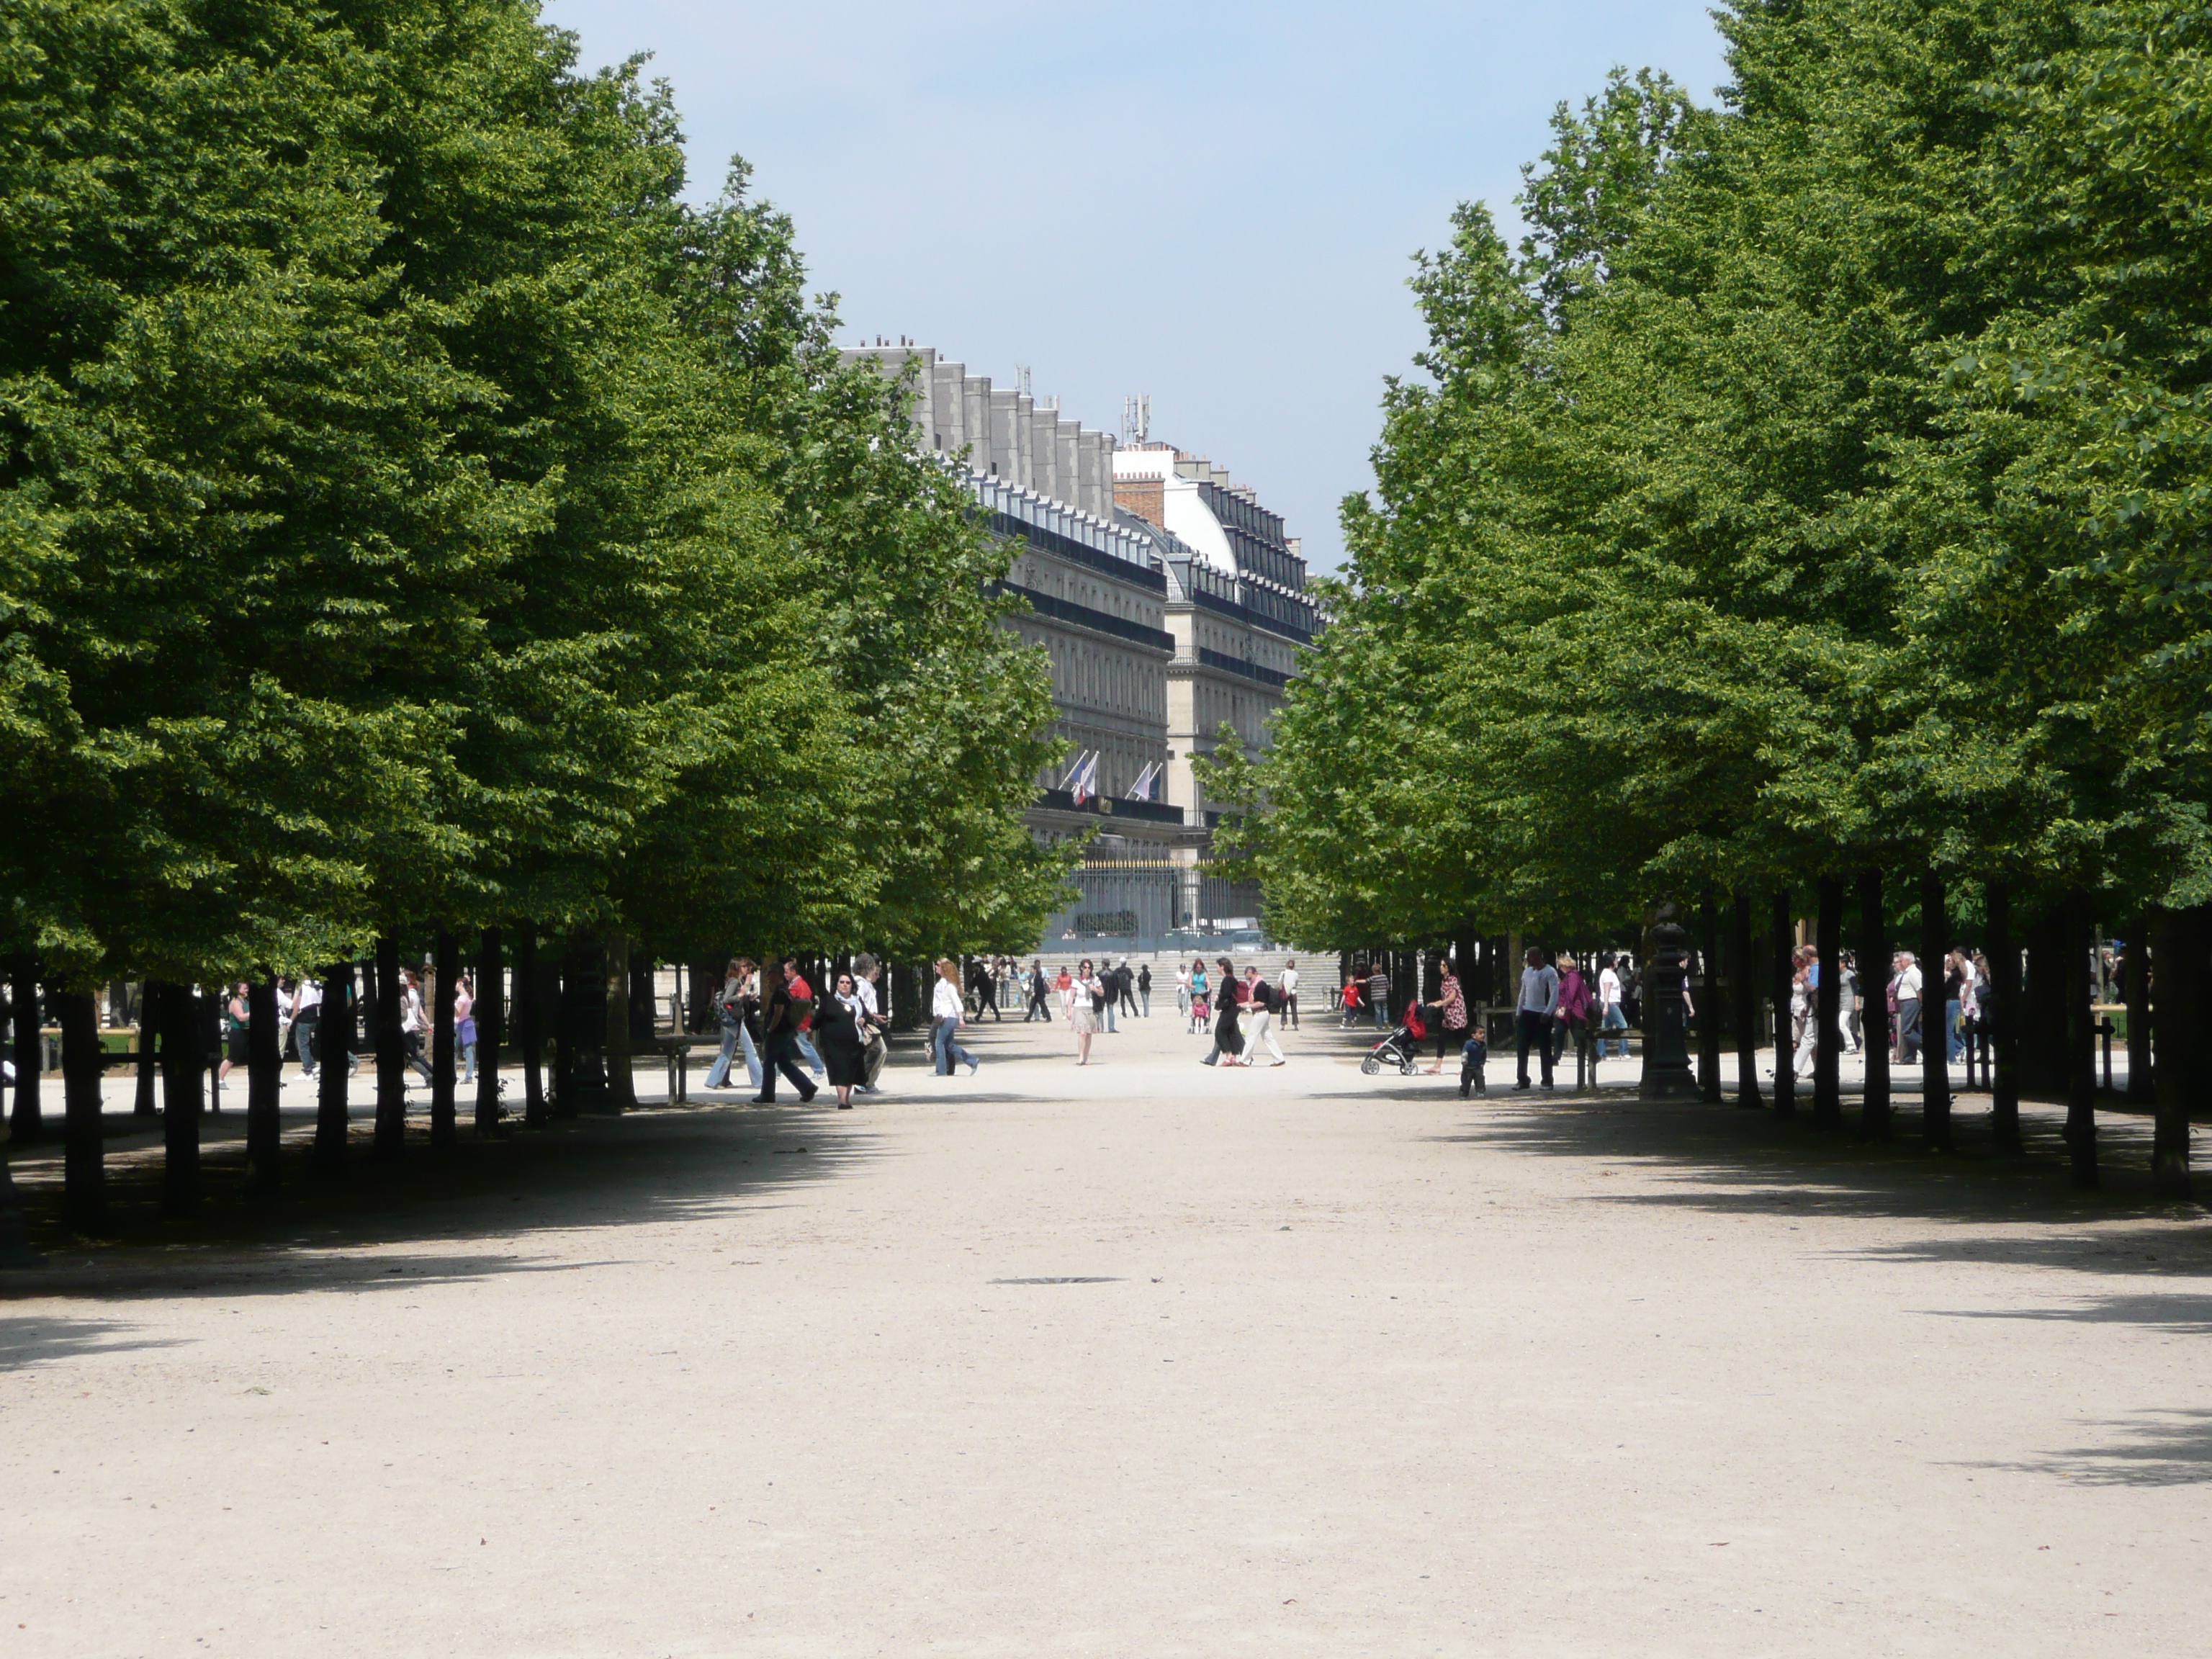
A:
(734, 1006)
(950, 1012)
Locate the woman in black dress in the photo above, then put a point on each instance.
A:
(1227, 1035)
(842, 1042)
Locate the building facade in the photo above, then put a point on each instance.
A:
(1168, 601)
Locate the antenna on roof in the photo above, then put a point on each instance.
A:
(1022, 379)
(1136, 417)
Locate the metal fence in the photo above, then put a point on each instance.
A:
(1141, 904)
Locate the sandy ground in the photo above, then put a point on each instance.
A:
(1142, 1359)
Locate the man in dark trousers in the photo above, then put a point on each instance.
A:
(1540, 1000)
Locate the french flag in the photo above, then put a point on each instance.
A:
(1083, 781)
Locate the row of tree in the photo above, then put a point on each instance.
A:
(1820, 488)
(414, 516)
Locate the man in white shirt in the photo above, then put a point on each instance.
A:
(1908, 1008)
(1288, 983)
(1539, 996)
(307, 1023)
(1611, 1017)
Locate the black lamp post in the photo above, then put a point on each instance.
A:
(1666, 1073)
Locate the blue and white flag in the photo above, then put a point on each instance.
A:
(1142, 789)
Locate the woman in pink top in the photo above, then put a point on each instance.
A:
(1573, 1011)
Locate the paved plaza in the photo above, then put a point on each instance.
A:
(1138, 1359)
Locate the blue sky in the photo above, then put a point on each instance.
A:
(1212, 203)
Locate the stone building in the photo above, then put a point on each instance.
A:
(1168, 601)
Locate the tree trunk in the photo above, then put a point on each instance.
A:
(1827, 1008)
(265, 1087)
(2004, 1021)
(23, 1122)
(1746, 989)
(334, 1040)
(622, 1076)
(1785, 1070)
(1709, 1000)
(562, 1002)
(2081, 1044)
(584, 1081)
(149, 1030)
(445, 1121)
(84, 1198)
(490, 1010)
(2042, 1030)
(699, 1013)
(1934, 1024)
(1876, 1119)
(391, 1140)
(184, 1064)
(2180, 1014)
(530, 1025)
(2135, 989)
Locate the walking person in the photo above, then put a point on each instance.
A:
(1847, 1002)
(1532, 1016)
(1378, 993)
(414, 1024)
(464, 1027)
(948, 1013)
(1287, 983)
(308, 1023)
(1145, 989)
(1228, 1037)
(1087, 1003)
(802, 1000)
(237, 1015)
(1261, 1002)
(1040, 995)
(1201, 1009)
(844, 1042)
(1349, 1000)
(1451, 1018)
(1908, 1008)
(1610, 1016)
(984, 990)
(1804, 1010)
(868, 972)
(1182, 992)
(1958, 980)
(1110, 977)
(779, 1035)
(1572, 1012)
(1128, 983)
(730, 1014)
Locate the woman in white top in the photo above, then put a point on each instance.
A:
(413, 1024)
(1085, 997)
(1183, 990)
(950, 1011)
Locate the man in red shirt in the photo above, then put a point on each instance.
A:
(801, 992)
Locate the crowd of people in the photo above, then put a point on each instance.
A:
(1962, 1025)
(774, 1020)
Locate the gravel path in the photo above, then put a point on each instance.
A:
(1141, 1359)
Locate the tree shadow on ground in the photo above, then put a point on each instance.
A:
(27, 1340)
(2163, 1448)
(655, 1165)
(2016, 1209)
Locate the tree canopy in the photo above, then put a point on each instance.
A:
(1813, 488)
(413, 512)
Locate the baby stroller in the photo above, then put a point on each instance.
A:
(1400, 1046)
